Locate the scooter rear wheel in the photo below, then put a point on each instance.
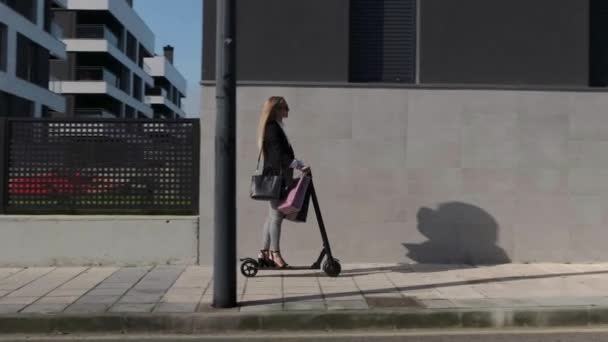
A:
(249, 268)
(332, 268)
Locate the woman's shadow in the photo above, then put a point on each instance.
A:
(458, 233)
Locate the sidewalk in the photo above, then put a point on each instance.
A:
(365, 295)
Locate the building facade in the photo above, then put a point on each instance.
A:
(169, 86)
(83, 58)
(108, 74)
(105, 74)
(467, 131)
(29, 41)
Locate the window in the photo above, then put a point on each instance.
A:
(3, 46)
(137, 87)
(26, 8)
(125, 80)
(129, 112)
(14, 106)
(32, 62)
(131, 47)
(383, 41)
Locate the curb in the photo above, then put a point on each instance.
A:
(221, 322)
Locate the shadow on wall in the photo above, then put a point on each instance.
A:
(458, 233)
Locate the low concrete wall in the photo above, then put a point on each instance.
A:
(98, 240)
(429, 175)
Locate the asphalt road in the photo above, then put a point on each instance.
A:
(536, 335)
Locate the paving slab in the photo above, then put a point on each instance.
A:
(176, 307)
(274, 307)
(132, 308)
(106, 292)
(57, 300)
(127, 275)
(90, 278)
(48, 282)
(570, 301)
(23, 278)
(10, 308)
(175, 298)
(18, 300)
(310, 305)
(459, 292)
(346, 305)
(60, 292)
(97, 299)
(44, 308)
(437, 303)
(7, 272)
(87, 308)
(140, 299)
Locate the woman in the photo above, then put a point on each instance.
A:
(279, 159)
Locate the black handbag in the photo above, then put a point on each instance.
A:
(265, 187)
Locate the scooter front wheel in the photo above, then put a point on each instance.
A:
(249, 268)
(332, 268)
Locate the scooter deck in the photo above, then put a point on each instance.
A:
(288, 268)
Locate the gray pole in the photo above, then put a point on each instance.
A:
(224, 263)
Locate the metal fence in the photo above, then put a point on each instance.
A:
(99, 166)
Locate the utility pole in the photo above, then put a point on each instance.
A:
(224, 263)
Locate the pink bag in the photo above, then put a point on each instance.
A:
(293, 203)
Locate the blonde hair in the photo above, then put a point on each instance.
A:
(269, 112)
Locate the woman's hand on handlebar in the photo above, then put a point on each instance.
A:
(307, 171)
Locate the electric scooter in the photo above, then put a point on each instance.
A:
(331, 266)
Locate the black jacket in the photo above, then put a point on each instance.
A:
(278, 153)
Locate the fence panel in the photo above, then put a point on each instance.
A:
(3, 163)
(102, 167)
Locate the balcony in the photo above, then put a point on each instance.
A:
(157, 91)
(97, 74)
(97, 31)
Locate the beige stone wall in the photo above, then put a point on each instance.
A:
(431, 175)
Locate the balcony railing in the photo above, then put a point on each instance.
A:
(94, 112)
(54, 84)
(96, 31)
(97, 74)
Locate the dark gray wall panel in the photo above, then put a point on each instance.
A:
(285, 40)
(538, 42)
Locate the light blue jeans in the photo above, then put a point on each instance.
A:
(272, 227)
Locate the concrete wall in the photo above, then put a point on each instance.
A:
(97, 240)
(432, 175)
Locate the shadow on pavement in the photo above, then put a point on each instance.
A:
(337, 296)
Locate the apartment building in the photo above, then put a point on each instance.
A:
(104, 74)
(169, 86)
(29, 41)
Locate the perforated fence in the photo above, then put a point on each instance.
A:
(99, 166)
